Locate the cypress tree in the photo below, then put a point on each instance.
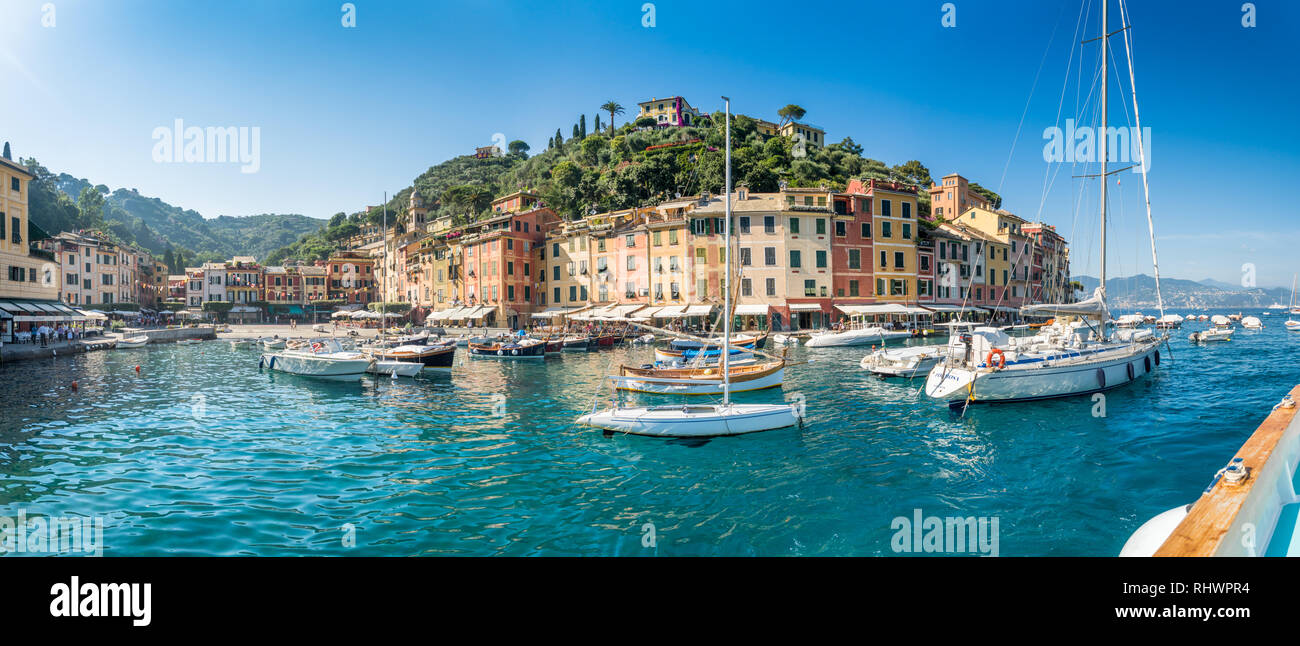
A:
(559, 139)
(582, 125)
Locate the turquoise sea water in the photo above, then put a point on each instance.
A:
(202, 454)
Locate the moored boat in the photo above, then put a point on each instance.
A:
(699, 381)
(323, 358)
(395, 368)
(1252, 323)
(431, 357)
(522, 349)
(578, 344)
(854, 336)
(905, 362)
(1212, 334)
(133, 342)
(273, 343)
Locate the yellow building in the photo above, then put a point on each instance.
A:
(671, 111)
(1013, 256)
(669, 252)
(31, 276)
(894, 221)
(812, 135)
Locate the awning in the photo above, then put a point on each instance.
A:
(248, 309)
(340, 314)
(554, 312)
(669, 312)
(623, 311)
(946, 308)
(759, 309)
(882, 308)
(805, 307)
(477, 312)
(698, 310)
(999, 308)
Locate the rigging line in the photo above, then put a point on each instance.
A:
(1065, 84)
(1142, 161)
(1030, 99)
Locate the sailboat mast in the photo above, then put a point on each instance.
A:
(1105, 82)
(726, 290)
(387, 272)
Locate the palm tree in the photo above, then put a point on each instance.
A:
(613, 108)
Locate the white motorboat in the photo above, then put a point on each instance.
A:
(1212, 334)
(1293, 325)
(395, 368)
(1130, 320)
(273, 344)
(241, 343)
(1169, 322)
(1252, 323)
(726, 418)
(324, 358)
(905, 362)
(785, 339)
(1219, 320)
(133, 342)
(854, 336)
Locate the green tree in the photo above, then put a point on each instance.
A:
(559, 139)
(613, 108)
(518, 147)
(582, 126)
(90, 205)
(790, 113)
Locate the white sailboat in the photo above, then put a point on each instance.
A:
(1063, 359)
(704, 420)
(1292, 324)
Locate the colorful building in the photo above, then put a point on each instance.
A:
(671, 111)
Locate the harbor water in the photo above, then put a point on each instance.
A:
(201, 453)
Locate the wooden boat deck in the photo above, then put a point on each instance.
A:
(1209, 522)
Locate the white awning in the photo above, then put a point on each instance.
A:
(478, 312)
(805, 307)
(91, 314)
(758, 309)
(999, 308)
(624, 311)
(340, 314)
(946, 308)
(881, 308)
(698, 310)
(669, 312)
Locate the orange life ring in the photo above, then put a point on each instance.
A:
(1002, 359)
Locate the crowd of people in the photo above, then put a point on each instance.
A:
(45, 335)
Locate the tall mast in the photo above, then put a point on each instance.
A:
(726, 290)
(388, 271)
(1105, 81)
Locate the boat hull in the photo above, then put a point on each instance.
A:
(338, 369)
(694, 421)
(669, 386)
(506, 351)
(1047, 382)
(853, 338)
(429, 357)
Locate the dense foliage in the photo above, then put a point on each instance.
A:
(65, 203)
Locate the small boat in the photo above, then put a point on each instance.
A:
(395, 368)
(785, 339)
(607, 340)
(1202, 318)
(1213, 334)
(906, 363)
(241, 343)
(522, 349)
(1292, 325)
(1277, 306)
(694, 421)
(324, 358)
(1130, 320)
(1169, 322)
(855, 336)
(1252, 323)
(1235, 317)
(432, 357)
(699, 381)
(273, 344)
(554, 345)
(578, 344)
(133, 342)
(644, 339)
(1220, 320)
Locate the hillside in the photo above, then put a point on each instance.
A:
(1140, 291)
(628, 167)
(58, 204)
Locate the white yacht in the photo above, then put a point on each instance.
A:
(854, 336)
(323, 358)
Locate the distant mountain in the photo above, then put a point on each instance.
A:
(1140, 291)
(156, 225)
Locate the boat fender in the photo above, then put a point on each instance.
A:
(515, 352)
(1101, 378)
(271, 363)
(1146, 363)
(500, 352)
(1157, 357)
(1131, 371)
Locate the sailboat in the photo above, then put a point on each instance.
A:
(702, 420)
(1292, 324)
(1064, 358)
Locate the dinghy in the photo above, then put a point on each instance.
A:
(133, 342)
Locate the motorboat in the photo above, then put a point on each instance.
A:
(1219, 320)
(133, 341)
(1212, 334)
(904, 362)
(854, 336)
(699, 381)
(395, 368)
(578, 344)
(241, 343)
(725, 418)
(1130, 320)
(323, 358)
(1252, 323)
(430, 357)
(521, 349)
(273, 343)
(1169, 322)
(1292, 325)
(785, 339)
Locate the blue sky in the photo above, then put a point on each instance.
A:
(348, 113)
